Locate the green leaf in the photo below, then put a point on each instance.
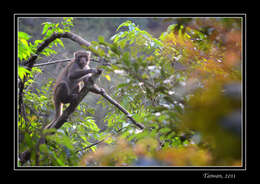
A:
(119, 35)
(171, 28)
(100, 52)
(176, 142)
(22, 72)
(44, 148)
(91, 110)
(127, 23)
(180, 31)
(108, 140)
(125, 59)
(93, 148)
(23, 35)
(164, 130)
(24, 51)
(101, 39)
(115, 49)
(60, 42)
(36, 70)
(60, 162)
(45, 27)
(123, 43)
(162, 37)
(107, 77)
(37, 42)
(23, 41)
(187, 36)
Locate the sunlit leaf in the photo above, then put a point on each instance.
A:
(107, 77)
(101, 39)
(22, 72)
(23, 35)
(127, 23)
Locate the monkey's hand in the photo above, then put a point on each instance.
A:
(102, 91)
(99, 71)
(77, 74)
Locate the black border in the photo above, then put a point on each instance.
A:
(177, 170)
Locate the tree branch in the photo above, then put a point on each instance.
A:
(101, 91)
(53, 62)
(66, 60)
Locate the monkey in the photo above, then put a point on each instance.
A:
(68, 82)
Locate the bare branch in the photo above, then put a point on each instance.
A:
(66, 60)
(52, 62)
(102, 92)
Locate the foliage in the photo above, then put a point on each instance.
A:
(161, 76)
(27, 49)
(172, 84)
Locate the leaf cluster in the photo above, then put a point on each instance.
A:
(159, 78)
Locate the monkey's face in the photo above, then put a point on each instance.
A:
(82, 61)
(82, 58)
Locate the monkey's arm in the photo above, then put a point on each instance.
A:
(76, 74)
(101, 91)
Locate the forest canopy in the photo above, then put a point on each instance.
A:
(181, 78)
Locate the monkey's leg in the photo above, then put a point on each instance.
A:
(65, 94)
(58, 112)
(61, 93)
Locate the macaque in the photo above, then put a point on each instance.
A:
(68, 83)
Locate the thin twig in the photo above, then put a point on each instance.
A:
(89, 146)
(102, 140)
(52, 62)
(66, 60)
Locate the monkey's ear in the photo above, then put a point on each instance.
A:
(76, 55)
